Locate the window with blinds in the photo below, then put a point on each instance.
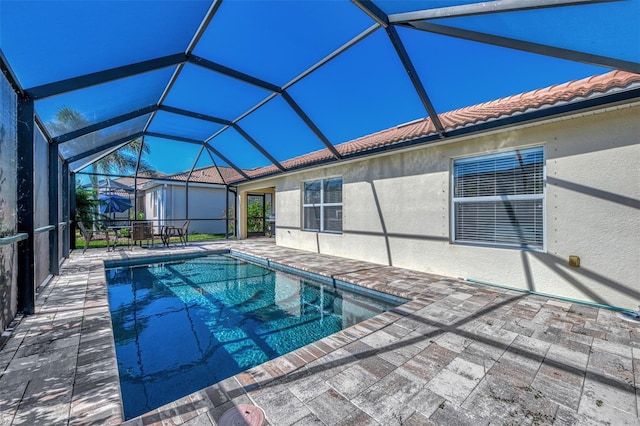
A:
(322, 205)
(498, 199)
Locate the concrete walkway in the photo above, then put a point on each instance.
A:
(457, 354)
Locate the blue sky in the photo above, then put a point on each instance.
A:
(363, 90)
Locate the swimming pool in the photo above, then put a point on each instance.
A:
(180, 326)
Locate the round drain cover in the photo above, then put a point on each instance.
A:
(243, 415)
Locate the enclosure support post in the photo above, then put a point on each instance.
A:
(236, 227)
(186, 199)
(226, 212)
(66, 235)
(54, 206)
(72, 210)
(26, 248)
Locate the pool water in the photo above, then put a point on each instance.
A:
(182, 326)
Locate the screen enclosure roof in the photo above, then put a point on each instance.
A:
(250, 85)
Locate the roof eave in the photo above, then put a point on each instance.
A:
(544, 113)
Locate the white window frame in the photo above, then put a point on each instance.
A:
(460, 200)
(321, 204)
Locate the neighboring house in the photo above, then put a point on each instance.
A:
(166, 201)
(543, 195)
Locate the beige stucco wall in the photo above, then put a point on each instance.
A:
(396, 210)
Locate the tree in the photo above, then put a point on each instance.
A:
(121, 161)
(86, 204)
(256, 215)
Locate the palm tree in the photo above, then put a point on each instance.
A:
(121, 161)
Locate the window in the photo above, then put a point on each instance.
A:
(498, 199)
(322, 205)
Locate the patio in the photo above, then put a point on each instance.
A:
(458, 353)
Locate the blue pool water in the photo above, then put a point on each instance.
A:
(182, 326)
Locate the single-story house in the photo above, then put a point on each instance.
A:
(538, 191)
(168, 200)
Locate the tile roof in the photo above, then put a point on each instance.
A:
(206, 175)
(142, 179)
(491, 111)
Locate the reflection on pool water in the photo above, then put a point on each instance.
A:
(182, 326)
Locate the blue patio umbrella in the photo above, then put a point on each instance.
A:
(112, 203)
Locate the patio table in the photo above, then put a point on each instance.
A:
(116, 230)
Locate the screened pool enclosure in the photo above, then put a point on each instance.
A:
(201, 94)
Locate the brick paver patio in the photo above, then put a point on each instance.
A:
(456, 354)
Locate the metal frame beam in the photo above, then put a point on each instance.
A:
(483, 8)
(415, 79)
(192, 44)
(105, 147)
(174, 138)
(257, 146)
(229, 72)
(192, 114)
(366, 33)
(377, 14)
(54, 205)
(165, 93)
(93, 79)
(135, 180)
(294, 105)
(541, 49)
(6, 70)
(373, 11)
(226, 160)
(72, 209)
(186, 183)
(282, 90)
(213, 160)
(66, 208)
(42, 128)
(104, 124)
(215, 5)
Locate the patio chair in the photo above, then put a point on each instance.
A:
(184, 232)
(174, 231)
(141, 231)
(89, 235)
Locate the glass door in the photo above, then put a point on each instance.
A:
(256, 215)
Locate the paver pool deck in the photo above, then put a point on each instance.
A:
(458, 353)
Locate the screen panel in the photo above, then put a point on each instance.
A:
(208, 92)
(289, 36)
(475, 72)
(606, 28)
(363, 90)
(179, 125)
(103, 137)
(67, 39)
(281, 131)
(104, 101)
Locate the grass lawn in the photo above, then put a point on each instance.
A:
(100, 242)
